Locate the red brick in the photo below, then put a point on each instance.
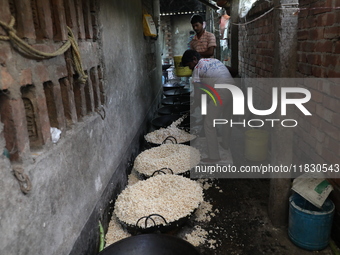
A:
(330, 129)
(335, 90)
(71, 16)
(26, 77)
(316, 95)
(314, 120)
(305, 69)
(337, 47)
(302, 24)
(302, 57)
(80, 18)
(336, 120)
(24, 19)
(337, 17)
(331, 103)
(43, 122)
(304, 3)
(314, 59)
(302, 35)
(304, 122)
(311, 22)
(318, 71)
(324, 86)
(324, 46)
(333, 74)
(331, 61)
(311, 106)
(45, 31)
(7, 80)
(324, 113)
(307, 46)
(318, 134)
(316, 33)
(68, 101)
(332, 145)
(80, 100)
(332, 32)
(5, 15)
(330, 157)
(13, 117)
(327, 19)
(59, 20)
(87, 19)
(310, 140)
(316, 158)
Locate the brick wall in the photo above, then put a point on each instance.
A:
(256, 50)
(256, 43)
(318, 56)
(36, 95)
(317, 137)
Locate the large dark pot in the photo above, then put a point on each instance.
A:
(176, 100)
(172, 85)
(174, 109)
(150, 244)
(164, 67)
(177, 92)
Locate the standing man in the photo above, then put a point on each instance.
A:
(203, 42)
(206, 73)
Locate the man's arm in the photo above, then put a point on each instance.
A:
(211, 44)
(208, 53)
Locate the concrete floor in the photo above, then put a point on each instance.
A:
(240, 224)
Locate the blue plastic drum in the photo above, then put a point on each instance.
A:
(310, 227)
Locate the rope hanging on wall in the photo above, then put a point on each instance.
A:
(28, 50)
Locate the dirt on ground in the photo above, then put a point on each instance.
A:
(233, 219)
(238, 221)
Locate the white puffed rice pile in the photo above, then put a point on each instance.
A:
(172, 196)
(197, 237)
(158, 136)
(203, 212)
(133, 177)
(178, 157)
(115, 232)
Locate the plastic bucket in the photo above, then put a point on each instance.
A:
(310, 227)
(256, 144)
(181, 71)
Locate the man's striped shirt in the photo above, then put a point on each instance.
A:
(202, 44)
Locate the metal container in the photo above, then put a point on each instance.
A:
(176, 100)
(150, 244)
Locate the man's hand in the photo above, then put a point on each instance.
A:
(208, 53)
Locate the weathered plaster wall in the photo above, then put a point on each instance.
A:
(74, 180)
(181, 27)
